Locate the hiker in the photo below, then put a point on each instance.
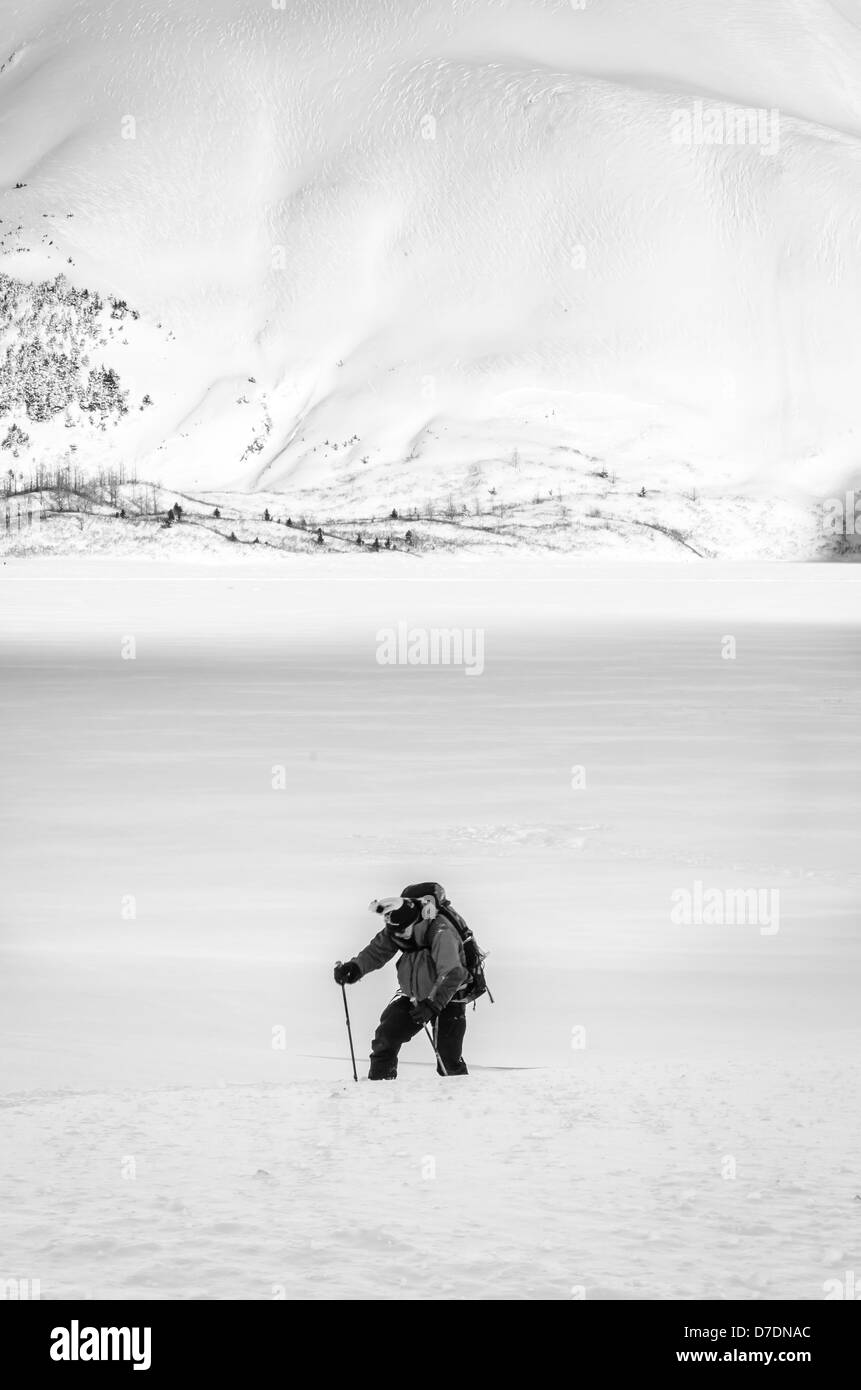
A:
(433, 977)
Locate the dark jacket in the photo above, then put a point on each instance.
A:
(435, 972)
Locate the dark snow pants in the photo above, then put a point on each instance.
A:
(396, 1027)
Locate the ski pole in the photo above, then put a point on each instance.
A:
(436, 1054)
(349, 1030)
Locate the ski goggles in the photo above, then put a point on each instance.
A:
(399, 914)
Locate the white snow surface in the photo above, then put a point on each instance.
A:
(383, 247)
(704, 1141)
(599, 1183)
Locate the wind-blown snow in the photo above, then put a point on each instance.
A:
(385, 241)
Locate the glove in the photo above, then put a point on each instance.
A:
(347, 972)
(423, 1013)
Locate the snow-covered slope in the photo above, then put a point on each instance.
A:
(612, 1184)
(176, 1104)
(377, 239)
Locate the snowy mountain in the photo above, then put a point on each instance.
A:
(369, 251)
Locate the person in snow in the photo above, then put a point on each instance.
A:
(431, 971)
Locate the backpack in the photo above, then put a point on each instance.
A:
(476, 985)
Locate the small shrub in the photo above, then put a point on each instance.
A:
(15, 438)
